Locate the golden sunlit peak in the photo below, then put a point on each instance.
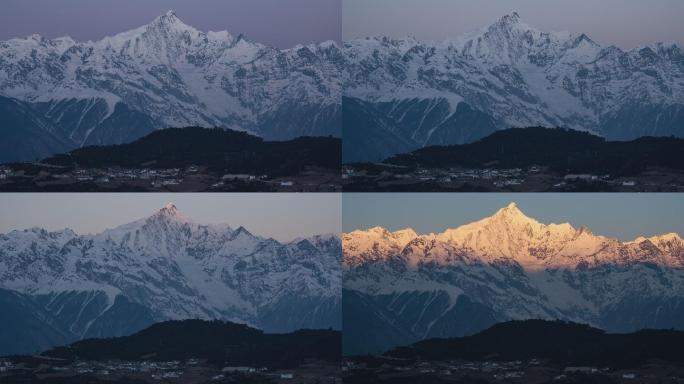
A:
(510, 214)
(170, 212)
(511, 208)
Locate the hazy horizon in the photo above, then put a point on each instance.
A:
(617, 215)
(283, 216)
(624, 23)
(272, 22)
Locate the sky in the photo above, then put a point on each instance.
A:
(624, 216)
(283, 216)
(285, 23)
(280, 23)
(624, 23)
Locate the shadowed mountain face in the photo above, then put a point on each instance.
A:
(507, 75)
(166, 74)
(62, 287)
(26, 134)
(407, 287)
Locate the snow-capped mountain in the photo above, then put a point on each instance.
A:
(510, 75)
(164, 267)
(407, 287)
(168, 74)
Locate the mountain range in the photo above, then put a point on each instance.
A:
(400, 287)
(58, 94)
(59, 287)
(391, 95)
(403, 94)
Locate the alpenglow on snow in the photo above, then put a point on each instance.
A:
(59, 286)
(400, 287)
(59, 94)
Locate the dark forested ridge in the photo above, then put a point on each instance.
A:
(217, 341)
(562, 150)
(220, 149)
(562, 342)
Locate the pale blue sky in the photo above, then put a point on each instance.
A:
(623, 216)
(625, 23)
(283, 216)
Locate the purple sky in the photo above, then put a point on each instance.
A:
(625, 23)
(281, 23)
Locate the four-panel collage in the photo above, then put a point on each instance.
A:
(341, 191)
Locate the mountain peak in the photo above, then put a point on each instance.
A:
(584, 230)
(668, 237)
(169, 22)
(509, 215)
(512, 18)
(510, 210)
(509, 22)
(378, 230)
(169, 16)
(169, 211)
(35, 37)
(410, 232)
(243, 231)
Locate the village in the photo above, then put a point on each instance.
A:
(384, 369)
(389, 177)
(189, 371)
(192, 178)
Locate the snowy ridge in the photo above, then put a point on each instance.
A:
(175, 269)
(509, 233)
